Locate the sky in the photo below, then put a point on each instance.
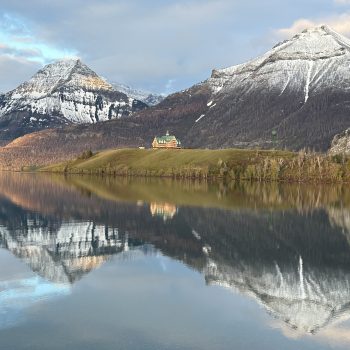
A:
(161, 46)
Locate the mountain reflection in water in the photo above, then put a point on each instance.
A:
(285, 246)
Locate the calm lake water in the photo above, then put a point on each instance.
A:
(105, 263)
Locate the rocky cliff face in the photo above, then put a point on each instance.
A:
(65, 92)
(341, 143)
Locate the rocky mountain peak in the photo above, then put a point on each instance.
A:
(63, 92)
(63, 73)
(314, 44)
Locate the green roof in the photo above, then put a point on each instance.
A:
(167, 138)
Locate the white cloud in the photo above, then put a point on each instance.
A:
(17, 40)
(339, 23)
(130, 41)
(342, 2)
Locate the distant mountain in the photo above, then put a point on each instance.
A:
(147, 97)
(62, 93)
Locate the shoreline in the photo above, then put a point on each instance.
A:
(226, 164)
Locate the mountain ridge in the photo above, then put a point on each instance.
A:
(150, 98)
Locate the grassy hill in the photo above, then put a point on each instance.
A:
(234, 164)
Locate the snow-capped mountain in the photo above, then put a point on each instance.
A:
(151, 99)
(300, 62)
(64, 92)
(300, 89)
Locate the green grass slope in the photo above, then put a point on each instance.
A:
(166, 162)
(236, 164)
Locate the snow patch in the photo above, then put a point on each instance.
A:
(196, 235)
(285, 86)
(197, 120)
(206, 249)
(308, 81)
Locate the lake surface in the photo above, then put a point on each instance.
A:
(115, 263)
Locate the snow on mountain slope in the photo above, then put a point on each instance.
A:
(64, 92)
(310, 59)
(72, 89)
(147, 97)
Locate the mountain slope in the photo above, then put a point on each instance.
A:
(61, 93)
(299, 90)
